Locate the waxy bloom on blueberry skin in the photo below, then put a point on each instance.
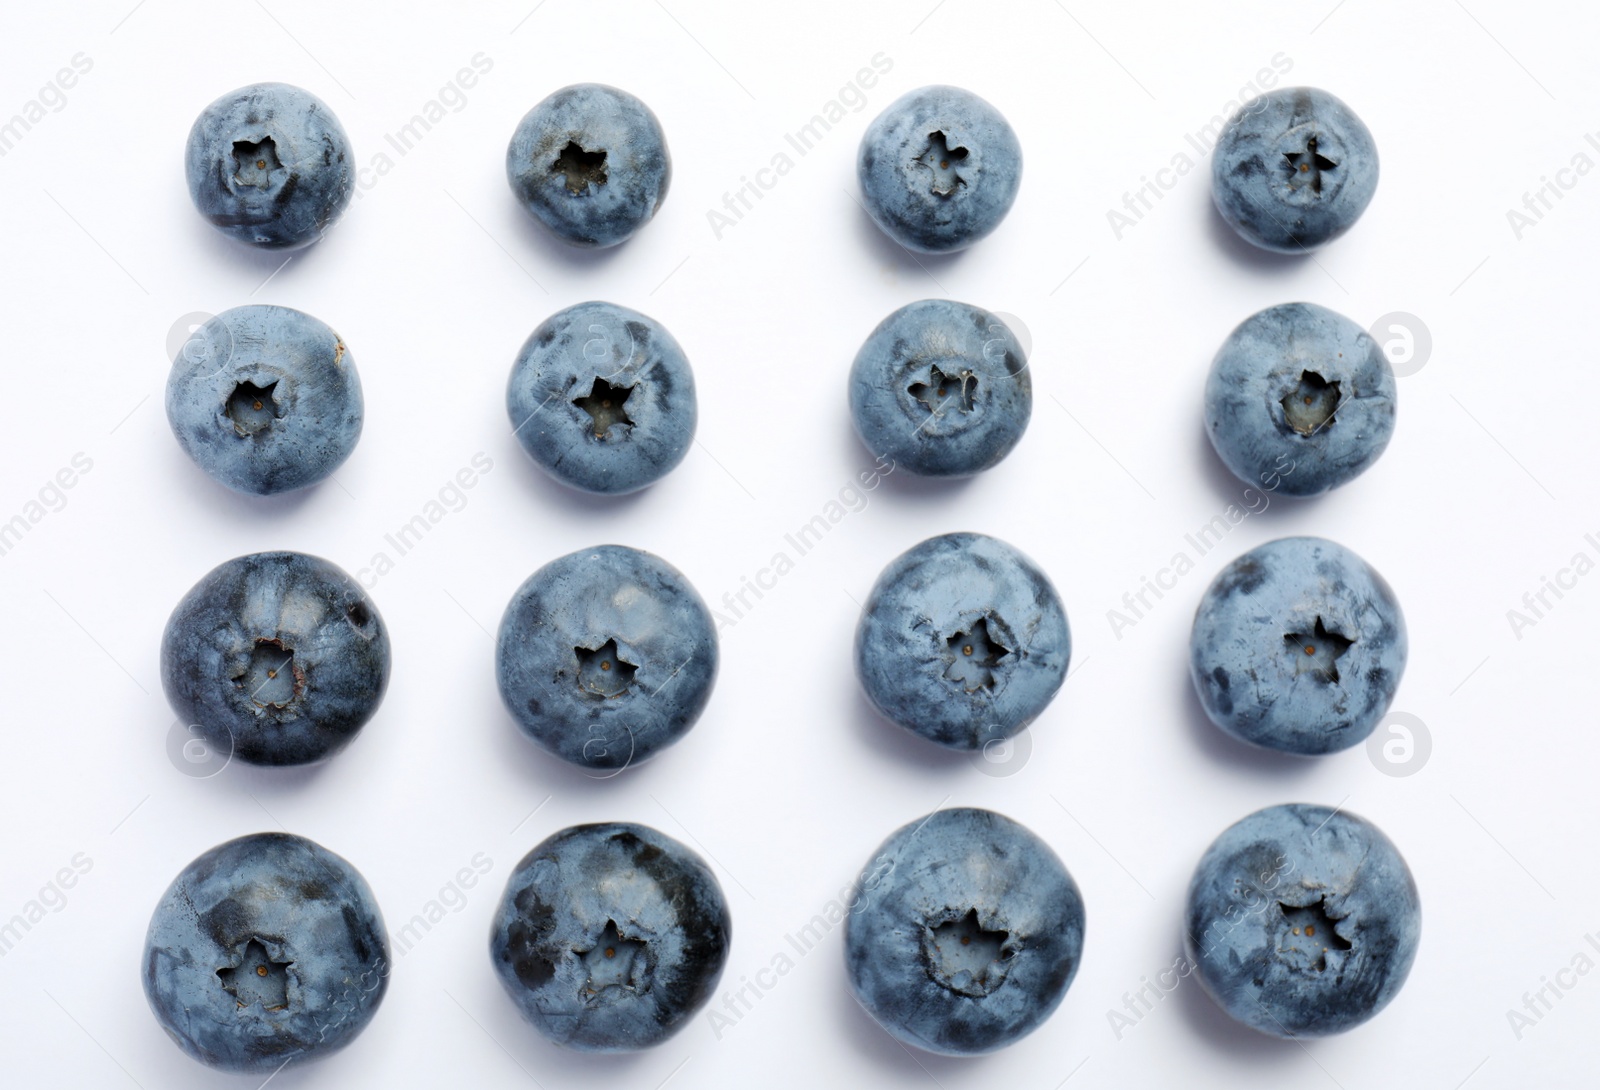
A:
(609, 938)
(1302, 921)
(939, 169)
(606, 656)
(1298, 646)
(266, 951)
(602, 398)
(1299, 400)
(275, 658)
(590, 163)
(963, 641)
(1293, 169)
(941, 389)
(269, 165)
(265, 399)
(964, 933)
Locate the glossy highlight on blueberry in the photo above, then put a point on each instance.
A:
(1302, 921)
(1298, 646)
(278, 658)
(606, 656)
(590, 163)
(1293, 169)
(610, 937)
(939, 169)
(603, 399)
(941, 389)
(265, 399)
(265, 952)
(269, 165)
(964, 932)
(963, 641)
(1299, 400)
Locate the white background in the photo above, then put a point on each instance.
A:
(436, 276)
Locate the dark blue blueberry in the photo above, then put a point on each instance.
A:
(269, 164)
(1293, 169)
(606, 656)
(963, 641)
(603, 399)
(1298, 645)
(1299, 400)
(939, 169)
(964, 932)
(590, 163)
(1302, 921)
(941, 389)
(265, 399)
(265, 951)
(610, 937)
(278, 658)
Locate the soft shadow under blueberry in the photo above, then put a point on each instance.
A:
(1209, 1022)
(887, 251)
(1247, 255)
(535, 236)
(898, 746)
(1255, 500)
(547, 490)
(872, 1041)
(1223, 749)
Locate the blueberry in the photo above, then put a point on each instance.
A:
(1302, 921)
(265, 399)
(941, 389)
(963, 640)
(265, 951)
(1299, 400)
(939, 169)
(269, 164)
(1298, 645)
(603, 399)
(606, 656)
(1293, 169)
(278, 658)
(965, 931)
(610, 937)
(590, 163)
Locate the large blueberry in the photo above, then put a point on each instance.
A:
(270, 165)
(606, 656)
(964, 932)
(590, 163)
(1298, 645)
(1299, 400)
(963, 640)
(277, 658)
(1302, 921)
(265, 399)
(1293, 169)
(602, 398)
(610, 937)
(941, 389)
(939, 169)
(265, 951)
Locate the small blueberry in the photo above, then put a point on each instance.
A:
(941, 389)
(939, 169)
(269, 165)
